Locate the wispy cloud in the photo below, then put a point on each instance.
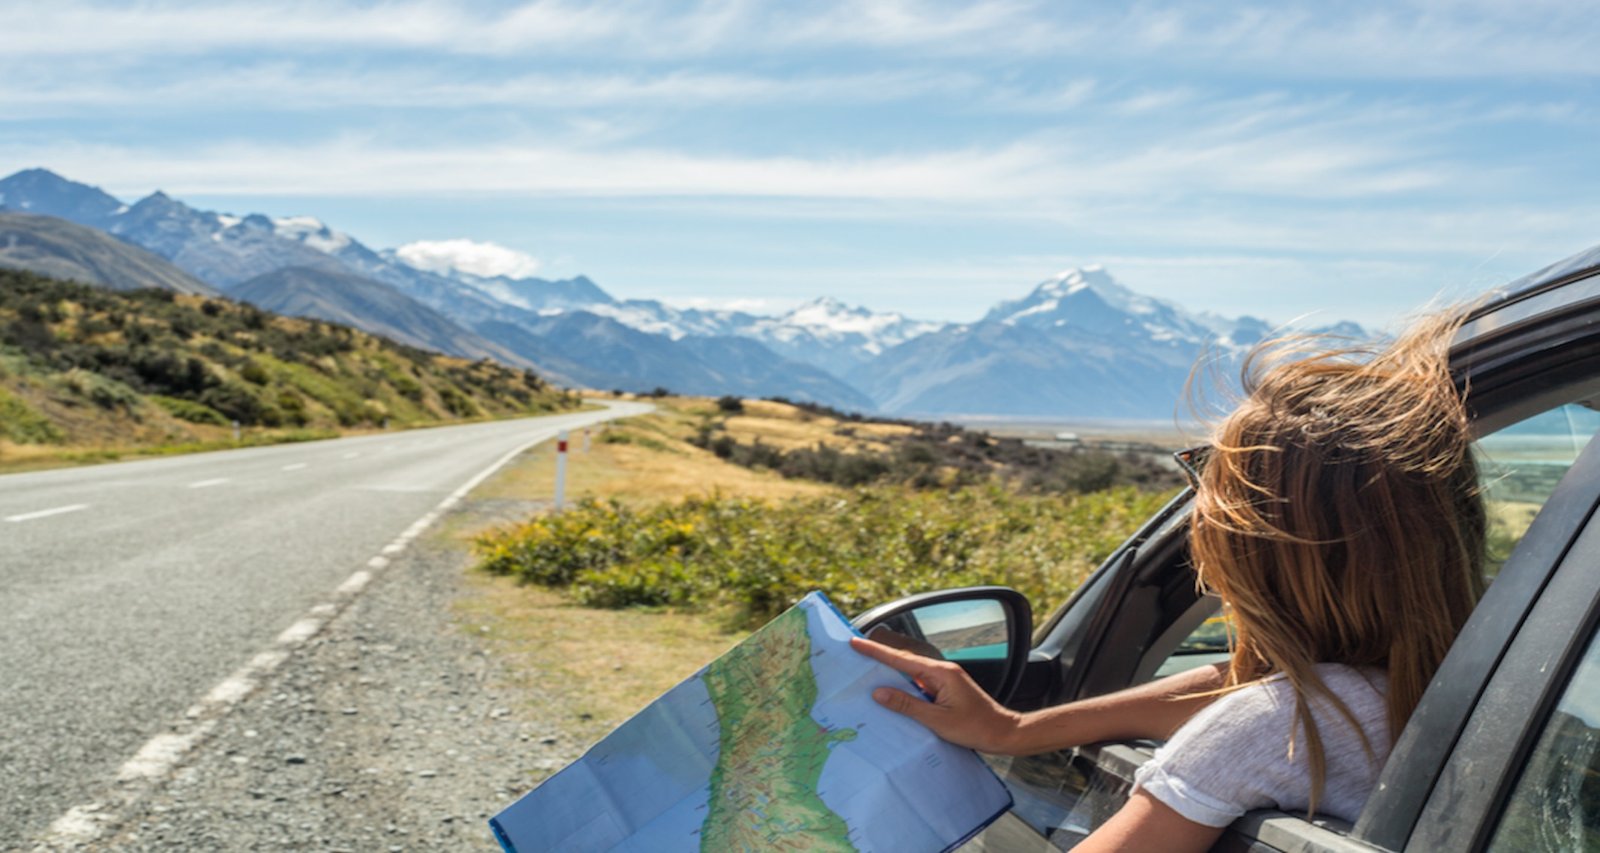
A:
(292, 87)
(664, 28)
(1045, 169)
(1359, 40)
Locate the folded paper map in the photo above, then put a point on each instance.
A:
(776, 745)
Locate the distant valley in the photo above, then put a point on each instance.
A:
(1079, 344)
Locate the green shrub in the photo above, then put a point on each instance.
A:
(863, 547)
(189, 410)
(103, 392)
(21, 424)
(254, 373)
(240, 403)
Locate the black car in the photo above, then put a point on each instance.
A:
(1503, 753)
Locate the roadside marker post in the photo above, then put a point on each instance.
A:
(585, 441)
(235, 432)
(561, 469)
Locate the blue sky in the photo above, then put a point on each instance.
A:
(1348, 160)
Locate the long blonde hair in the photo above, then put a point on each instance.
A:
(1339, 518)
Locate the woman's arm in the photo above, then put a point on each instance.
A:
(1146, 823)
(960, 712)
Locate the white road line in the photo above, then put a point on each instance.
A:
(350, 456)
(158, 757)
(46, 513)
(161, 752)
(204, 484)
(295, 467)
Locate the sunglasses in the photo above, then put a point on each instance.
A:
(1191, 462)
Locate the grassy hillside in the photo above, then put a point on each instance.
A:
(88, 370)
(672, 517)
(673, 552)
(65, 250)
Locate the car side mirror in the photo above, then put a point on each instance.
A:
(984, 629)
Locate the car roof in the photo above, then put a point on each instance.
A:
(1561, 272)
(1557, 289)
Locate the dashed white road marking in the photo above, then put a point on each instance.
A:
(46, 513)
(295, 467)
(83, 824)
(350, 456)
(159, 753)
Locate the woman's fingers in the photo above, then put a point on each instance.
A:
(902, 702)
(913, 665)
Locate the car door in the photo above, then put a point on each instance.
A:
(1533, 353)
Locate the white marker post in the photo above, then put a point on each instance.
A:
(561, 469)
(586, 441)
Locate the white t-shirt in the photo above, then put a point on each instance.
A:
(1233, 756)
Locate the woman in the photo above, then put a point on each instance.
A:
(1337, 516)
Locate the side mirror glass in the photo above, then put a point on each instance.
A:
(984, 629)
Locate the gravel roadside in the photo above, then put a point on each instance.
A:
(391, 730)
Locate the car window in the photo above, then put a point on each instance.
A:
(1518, 468)
(1556, 804)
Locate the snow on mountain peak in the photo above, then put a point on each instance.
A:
(827, 318)
(481, 259)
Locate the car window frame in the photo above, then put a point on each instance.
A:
(1533, 672)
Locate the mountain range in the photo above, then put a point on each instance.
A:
(1078, 344)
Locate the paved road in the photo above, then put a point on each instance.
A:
(130, 590)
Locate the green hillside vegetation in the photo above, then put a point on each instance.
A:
(88, 372)
(862, 547)
(672, 515)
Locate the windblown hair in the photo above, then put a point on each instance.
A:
(1339, 518)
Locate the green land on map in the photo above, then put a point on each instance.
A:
(764, 787)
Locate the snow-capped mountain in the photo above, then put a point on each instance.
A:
(1089, 301)
(301, 265)
(1078, 344)
(824, 333)
(834, 336)
(537, 294)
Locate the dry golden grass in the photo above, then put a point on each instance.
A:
(787, 427)
(622, 659)
(642, 460)
(1510, 519)
(617, 660)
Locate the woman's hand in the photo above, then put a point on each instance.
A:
(960, 712)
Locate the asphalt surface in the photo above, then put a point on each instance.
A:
(131, 590)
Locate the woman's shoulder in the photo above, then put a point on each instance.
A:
(1237, 753)
(1268, 705)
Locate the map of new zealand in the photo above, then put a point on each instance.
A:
(776, 745)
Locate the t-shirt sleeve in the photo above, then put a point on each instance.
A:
(1231, 757)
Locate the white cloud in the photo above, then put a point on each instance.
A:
(1300, 162)
(468, 256)
(295, 87)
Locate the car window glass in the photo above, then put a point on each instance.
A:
(1518, 468)
(1556, 804)
(1207, 644)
